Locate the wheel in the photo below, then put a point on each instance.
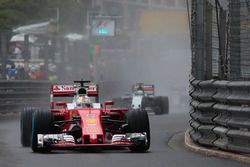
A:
(138, 122)
(25, 126)
(165, 104)
(42, 123)
(157, 105)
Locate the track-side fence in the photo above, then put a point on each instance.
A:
(220, 114)
(15, 95)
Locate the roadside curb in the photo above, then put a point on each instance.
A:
(214, 152)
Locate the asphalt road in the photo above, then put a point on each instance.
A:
(162, 152)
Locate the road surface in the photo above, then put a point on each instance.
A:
(162, 152)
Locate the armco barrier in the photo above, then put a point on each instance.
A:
(220, 114)
(15, 95)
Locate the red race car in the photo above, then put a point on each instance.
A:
(81, 121)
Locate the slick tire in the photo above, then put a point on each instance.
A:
(165, 104)
(157, 105)
(26, 126)
(138, 122)
(42, 123)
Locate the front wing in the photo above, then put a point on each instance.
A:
(67, 141)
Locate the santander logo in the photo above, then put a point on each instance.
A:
(59, 88)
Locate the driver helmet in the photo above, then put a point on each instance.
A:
(82, 100)
(140, 92)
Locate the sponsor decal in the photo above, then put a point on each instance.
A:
(72, 88)
(90, 119)
(63, 88)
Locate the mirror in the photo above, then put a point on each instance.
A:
(108, 103)
(64, 104)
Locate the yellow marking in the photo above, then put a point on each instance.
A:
(91, 120)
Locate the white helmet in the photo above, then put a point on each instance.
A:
(80, 100)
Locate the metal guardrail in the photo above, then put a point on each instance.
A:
(15, 95)
(220, 114)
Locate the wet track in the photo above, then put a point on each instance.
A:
(161, 153)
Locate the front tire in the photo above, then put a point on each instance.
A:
(42, 123)
(26, 126)
(138, 122)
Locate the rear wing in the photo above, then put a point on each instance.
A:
(62, 90)
(149, 89)
(69, 90)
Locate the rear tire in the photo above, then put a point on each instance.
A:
(165, 105)
(138, 122)
(157, 105)
(26, 126)
(42, 123)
